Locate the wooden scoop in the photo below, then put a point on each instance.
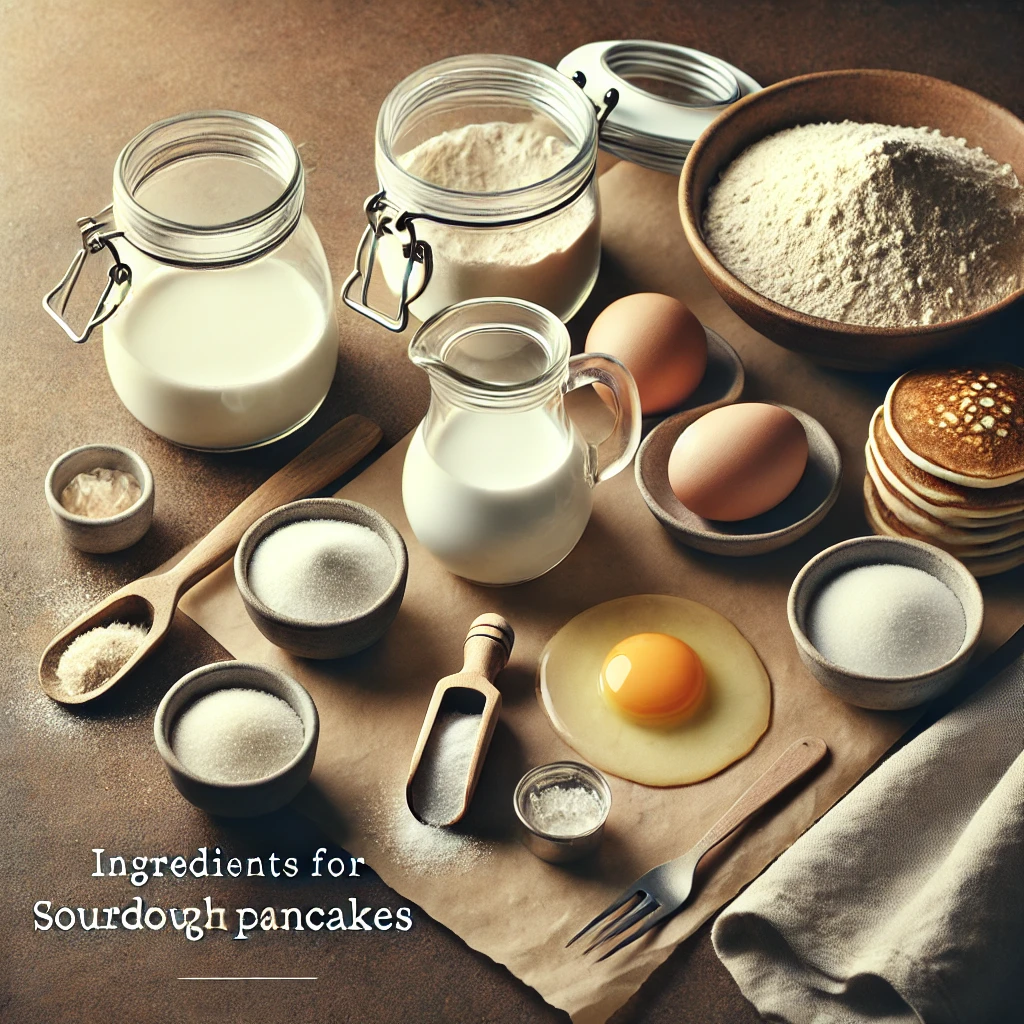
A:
(470, 691)
(151, 600)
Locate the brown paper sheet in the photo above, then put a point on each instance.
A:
(501, 900)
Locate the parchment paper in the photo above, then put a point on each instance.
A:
(500, 899)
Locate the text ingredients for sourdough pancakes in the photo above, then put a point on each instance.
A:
(195, 921)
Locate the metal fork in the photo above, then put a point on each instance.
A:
(664, 890)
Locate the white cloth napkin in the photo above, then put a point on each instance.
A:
(905, 903)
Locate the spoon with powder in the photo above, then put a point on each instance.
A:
(102, 646)
(458, 727)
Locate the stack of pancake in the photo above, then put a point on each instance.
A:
(945, 461)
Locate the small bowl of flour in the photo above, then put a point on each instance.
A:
(865, 218)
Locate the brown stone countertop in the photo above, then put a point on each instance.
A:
(78, 80)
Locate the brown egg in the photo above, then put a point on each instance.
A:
(660, 342)
(738, 461)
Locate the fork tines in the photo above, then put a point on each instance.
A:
(629, 910)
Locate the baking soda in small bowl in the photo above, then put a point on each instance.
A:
(565, 810)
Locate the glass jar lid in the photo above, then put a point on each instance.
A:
(655, 130)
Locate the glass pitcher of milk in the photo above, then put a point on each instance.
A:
(219, 329)
(498, 481)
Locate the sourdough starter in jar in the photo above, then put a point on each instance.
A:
(227, 336)
(224, 358)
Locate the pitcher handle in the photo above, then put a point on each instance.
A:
(616, 451)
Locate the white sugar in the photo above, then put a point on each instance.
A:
(236, 735)
(886, 621)
(565, 810)
(321, 570)
(439, 785)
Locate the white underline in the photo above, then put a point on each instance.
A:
(249, 979)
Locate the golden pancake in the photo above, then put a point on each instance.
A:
(964, 425)
(884, 523)
(928, 526)
(938, 497)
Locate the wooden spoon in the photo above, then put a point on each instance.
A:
(470, 691)
(151, 600)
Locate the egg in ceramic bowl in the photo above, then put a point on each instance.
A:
(738, 461)
(793, 517)
(654, 688)
(659, 341)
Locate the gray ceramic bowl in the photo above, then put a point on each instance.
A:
(238, 799)
(111, 533)
(319, 639)
(793, 517)
(893, 693)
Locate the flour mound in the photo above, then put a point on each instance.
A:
(870, 224)
(498, 156)
(491, 157)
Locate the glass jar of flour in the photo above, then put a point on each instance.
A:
(486, 165)
(218, 313)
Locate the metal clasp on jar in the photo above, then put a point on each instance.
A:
(384, 218)
(96, 235)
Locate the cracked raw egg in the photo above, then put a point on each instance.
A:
(655, 688)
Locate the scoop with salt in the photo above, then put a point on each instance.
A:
(458, 727)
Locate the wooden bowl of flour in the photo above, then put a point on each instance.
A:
(885, 97)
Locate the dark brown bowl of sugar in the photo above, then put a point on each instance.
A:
(864, 218)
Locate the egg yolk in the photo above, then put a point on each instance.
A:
(652, 678)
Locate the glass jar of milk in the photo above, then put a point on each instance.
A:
(219, 322)
(498, 481)
(487, 172)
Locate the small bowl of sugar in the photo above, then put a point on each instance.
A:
(101, 496)
(238, 738)
(562, 808)
(884, 622)
(322, 577)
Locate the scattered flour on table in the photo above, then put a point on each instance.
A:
(62, 600)
(41, 716)
(411, 845)
(870, 224)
